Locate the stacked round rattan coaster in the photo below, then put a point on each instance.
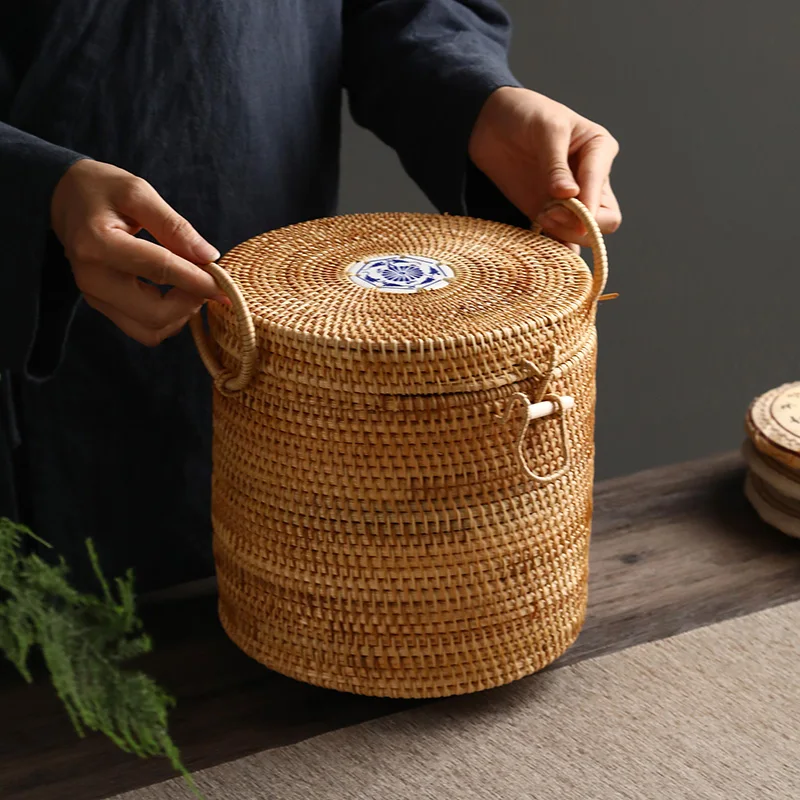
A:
(772, 452)
(404, 449)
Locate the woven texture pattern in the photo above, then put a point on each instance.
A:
(374, 530)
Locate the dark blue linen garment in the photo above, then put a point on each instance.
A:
(231, 110)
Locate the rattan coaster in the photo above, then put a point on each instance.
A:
(783, 480)
(776, 510)
(773, 424)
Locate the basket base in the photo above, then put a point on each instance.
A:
(505, 670)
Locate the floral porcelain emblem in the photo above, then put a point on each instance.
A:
(400, 274)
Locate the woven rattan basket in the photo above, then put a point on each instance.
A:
(403, 449)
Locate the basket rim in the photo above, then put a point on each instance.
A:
(495, 383)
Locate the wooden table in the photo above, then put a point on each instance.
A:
(673, 549)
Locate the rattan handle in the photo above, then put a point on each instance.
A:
(596, 242)
(225, 380)
(549, 404)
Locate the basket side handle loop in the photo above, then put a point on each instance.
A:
(595, 237)
(226, 381)
(550, 403)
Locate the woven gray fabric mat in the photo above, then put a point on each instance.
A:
(713, 713)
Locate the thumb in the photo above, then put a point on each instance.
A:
(169, 228)
(561, 182)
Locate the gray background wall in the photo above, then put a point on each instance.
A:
(704, 97)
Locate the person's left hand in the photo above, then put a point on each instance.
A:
(535, 150)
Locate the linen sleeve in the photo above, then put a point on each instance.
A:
(417, 73)
(36, 286)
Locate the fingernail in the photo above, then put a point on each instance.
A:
(567, 185)
(221, 298)
(204, 252)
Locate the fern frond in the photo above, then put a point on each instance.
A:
(85, 640)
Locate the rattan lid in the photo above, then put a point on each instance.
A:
(410, 303)
(773, 424)
(299, 281)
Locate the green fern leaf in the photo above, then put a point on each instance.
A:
(85, 641)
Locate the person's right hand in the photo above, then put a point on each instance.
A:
(96, 212)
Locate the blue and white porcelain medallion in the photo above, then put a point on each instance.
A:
(401, 274)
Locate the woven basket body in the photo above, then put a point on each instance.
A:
(385, 521)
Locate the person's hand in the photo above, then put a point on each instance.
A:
(96, 212)
(535, 150)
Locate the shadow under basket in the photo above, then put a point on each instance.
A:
(404, 449)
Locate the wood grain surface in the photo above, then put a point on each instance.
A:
(673, 549)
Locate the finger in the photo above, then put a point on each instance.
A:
(136, 300)
(576, 248)
(130, 327)
(563, 234)
(144, 259)
(594, 162)
(610, 215)
(555, 152)
(558, 215)
(563, 219)
(608, 220)
(145, 205)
